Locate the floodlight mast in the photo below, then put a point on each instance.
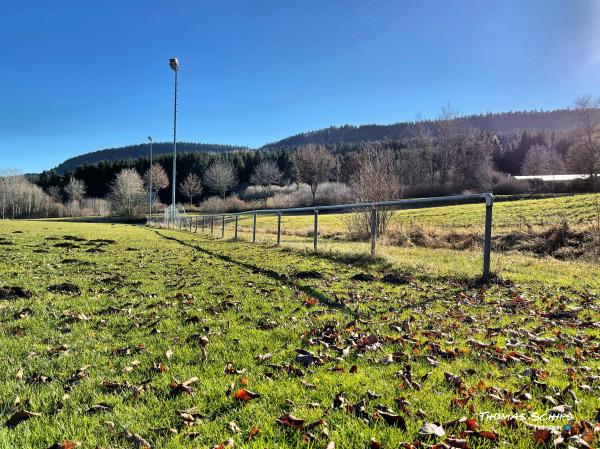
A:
(150, 192)
(174, 64)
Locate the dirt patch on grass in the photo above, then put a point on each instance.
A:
(102, 241)
(65, 287)
(363, 277)
(94, 250)
(68, 245)
(73, 238)
(309, 274)
(395, 279)
(75, 262)
(14, 292)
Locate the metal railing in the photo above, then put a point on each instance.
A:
(193, 223)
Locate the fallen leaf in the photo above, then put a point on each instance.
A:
(288, 420)
(135, 439)
(252, 433)
(245, 395)
(392, 419)
(488, 435)
(19, 417)
(182, 387)
(65, 445)
(431, 430)
(471, 424)
(374, 444)
(542, 436)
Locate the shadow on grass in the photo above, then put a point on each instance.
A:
(282, 278)
(367, 262)
(381, 264)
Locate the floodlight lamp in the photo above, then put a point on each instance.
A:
(149, 138)
(174, 63)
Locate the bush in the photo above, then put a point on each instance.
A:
(301, 196)
(511, 187)
(218, 205)
(334, 193)
(254, 193)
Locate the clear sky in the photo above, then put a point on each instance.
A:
(78, 76)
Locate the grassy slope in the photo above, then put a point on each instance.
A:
(133, 289)
(579, 210)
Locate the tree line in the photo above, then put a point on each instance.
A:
(452, 157)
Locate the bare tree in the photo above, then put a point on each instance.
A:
(191, 186)
(471, 164)
(447, 141)
(587, 109)
(265, 175)
(313, 165)
(584, 155)
(127, 193)
(376, 179)
(19, 198)
(160, 180)
(75, 190)
(542, 160)
(424, 163)
(54, 192)
(221, 177)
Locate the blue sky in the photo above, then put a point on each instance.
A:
(77, 76)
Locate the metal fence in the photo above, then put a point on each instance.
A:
(211, 221)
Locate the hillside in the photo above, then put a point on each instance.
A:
(498, 123)
(141, 150)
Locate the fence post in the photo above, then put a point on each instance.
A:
(254, 228)
(212, 225)
(203, 219)
(278, 227)
(223, 227)
(236, 226)
(373, 230)
(487, 244)
(196, 227)
(316, 229)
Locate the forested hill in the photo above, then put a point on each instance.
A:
(497, 123)
(500, 123)
(141, 150)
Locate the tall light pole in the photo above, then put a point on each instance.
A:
(174, 64)
(150, 192)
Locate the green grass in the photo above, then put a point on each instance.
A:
(155, 290)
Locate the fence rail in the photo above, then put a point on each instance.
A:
(193, 222)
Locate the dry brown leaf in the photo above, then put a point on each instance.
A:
(252, 433)
(542, 436)
(288, 420)
(18, 417)
(245, 395)
(66, 444)
(135, 439)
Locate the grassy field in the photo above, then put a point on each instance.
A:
(102, 325)
(578, 210)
